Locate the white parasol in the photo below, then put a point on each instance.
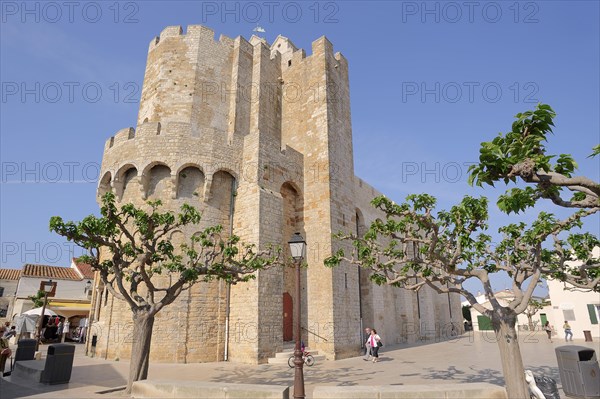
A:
(38, 312)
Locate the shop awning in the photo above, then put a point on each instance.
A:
(66, 306)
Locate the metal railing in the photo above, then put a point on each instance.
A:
(316, 335)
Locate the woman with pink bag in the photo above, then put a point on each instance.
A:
(374, 342)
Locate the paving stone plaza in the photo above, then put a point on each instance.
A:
(471, 358)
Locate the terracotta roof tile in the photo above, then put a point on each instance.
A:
(64, 273)
(85, 269)
(10, 274)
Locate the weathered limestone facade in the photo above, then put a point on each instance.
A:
(259, 138)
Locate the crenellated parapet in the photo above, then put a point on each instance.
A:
(193, 32)
(231, 85)
(145, 130)
(136, 161)
(202, 36)
(170, 139)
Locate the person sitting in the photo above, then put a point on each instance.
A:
(50, 331)
(10, 333)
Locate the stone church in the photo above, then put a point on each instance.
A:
(258, 137)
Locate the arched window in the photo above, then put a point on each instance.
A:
(157, 179)
(190, 183)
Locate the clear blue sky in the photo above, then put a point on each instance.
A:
(429, 81)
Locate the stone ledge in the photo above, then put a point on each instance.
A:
(198, 389)
(209, 390)
(29, 370)
(476, 390)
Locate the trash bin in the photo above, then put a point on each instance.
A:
(25, 349)
(579, 371)
(548, 387)
(588, 336)
(59, 364)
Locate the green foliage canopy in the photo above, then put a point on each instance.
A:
(37, 299)
(129, 246)
(415, 246)
(521, 155)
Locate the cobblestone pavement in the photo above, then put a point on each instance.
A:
(472, 357)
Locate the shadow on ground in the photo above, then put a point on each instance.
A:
(110, 377)
(490, 376)
(312, 376)
(81, 376)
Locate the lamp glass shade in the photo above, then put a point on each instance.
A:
(47, 286)
(297, 246)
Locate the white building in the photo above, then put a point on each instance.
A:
(580, 309)
(71, 293)
(9, 280)
(483, 323)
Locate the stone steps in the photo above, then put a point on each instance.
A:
(282, 357)
(275, 360)
(287, 353)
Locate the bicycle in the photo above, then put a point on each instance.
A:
(308, 359)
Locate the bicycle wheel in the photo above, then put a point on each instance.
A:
(291, 362)
(310, 360)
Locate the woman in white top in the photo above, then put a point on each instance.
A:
(372, 343)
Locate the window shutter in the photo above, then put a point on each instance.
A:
(592, 312)
(569, 314)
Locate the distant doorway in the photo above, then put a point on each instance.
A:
(484, 323)
(288, 317)
(543, 318)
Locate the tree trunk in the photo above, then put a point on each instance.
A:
(510, 354)
(530, 320)
(140, 347)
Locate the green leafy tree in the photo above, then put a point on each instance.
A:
(445, 249)
(520, 155)
(37, 299)
(130, 249)
(534, 307)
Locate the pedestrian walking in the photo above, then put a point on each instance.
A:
(66, 333)
(568, 332)
(367, 350)
(374, 343)
(548, 329)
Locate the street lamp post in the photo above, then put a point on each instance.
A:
(47, 287)
(297, 249)
(88, 287)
